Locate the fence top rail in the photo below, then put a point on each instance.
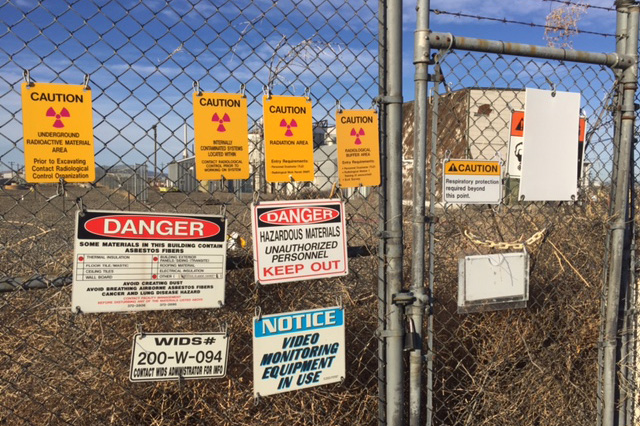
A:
(449, 41)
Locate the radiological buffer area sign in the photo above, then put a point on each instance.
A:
(299, 240)
(58, 133)
(298, 350)
(148, 261)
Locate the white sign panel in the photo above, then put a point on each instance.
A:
(298, 350)
(472, 182)
(148, 261)
(176, 356)
(549, 166)
(299, 240)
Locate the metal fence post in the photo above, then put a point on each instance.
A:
(619, 225)
(421, 62)
(394, 333)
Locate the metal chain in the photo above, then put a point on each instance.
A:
(529, 242)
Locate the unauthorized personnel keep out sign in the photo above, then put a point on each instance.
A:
(358, 148)
(58, 133)
(299, 240)
(472, 181)
(221, 136)
(148, 261)
(178, 356)
(288, 139)
(298, 350)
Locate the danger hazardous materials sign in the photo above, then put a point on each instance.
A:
(58, 133)
(299, 240)
(298, 350)
(178, 356)
(358, 148)
(148, 261)
(221, 136)
(288, 139)
(472, 181)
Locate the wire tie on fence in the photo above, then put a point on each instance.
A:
(243, 87)
(447, 155)
(256, 198)
(553, 87)
(85, 82)
(140, 331)
(291, 179)
(307, 94)
(223, 210)
(266, 92)
(258, 312)
(334, 187)
(256, 400)
(196, 88)
(78, 310)
(339, 302)
(338, 106)
(81, 207)
(27, 78)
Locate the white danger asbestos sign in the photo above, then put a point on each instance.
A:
(175, 356)
(298, 350)
(148, 261)
(299, 240)
(472, 181)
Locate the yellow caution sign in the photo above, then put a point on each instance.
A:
(358, 148)
(221, 136)
(288, 139)
(472, 167)
(58, 133)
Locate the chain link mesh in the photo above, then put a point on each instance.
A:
(537, 365)
(142, 59)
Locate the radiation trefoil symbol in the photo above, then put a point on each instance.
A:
(357, 135)
(63, 113)
(291, 124)
(225, 119)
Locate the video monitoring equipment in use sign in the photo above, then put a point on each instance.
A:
(148, 261)
(299, 240)
(298, 350)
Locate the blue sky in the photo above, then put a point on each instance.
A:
(144, 56)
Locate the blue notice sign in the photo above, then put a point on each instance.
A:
(298, 350)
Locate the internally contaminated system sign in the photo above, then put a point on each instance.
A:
(58, 133)
(178, 356)
(288, 139)
(298, 350)
(221, 136)
(358, 148)
(148, 261)
(299, 240)
(472, 181)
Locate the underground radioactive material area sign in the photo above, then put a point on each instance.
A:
(472, 181)
(299, 240)
(148, 261)
(57, 123)
(358, 148)
(178, 356)
(298, 350)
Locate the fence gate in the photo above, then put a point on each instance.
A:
(142, 62)
(546, 362)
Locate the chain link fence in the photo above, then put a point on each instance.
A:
(142, 60)
(539, 364)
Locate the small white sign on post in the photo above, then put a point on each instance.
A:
(299, 240)
(178, 356)
(298, 350)
(148, 261)
(472, 182)
(550, 158)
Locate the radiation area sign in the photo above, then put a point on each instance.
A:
(298, 350)
(299, 240)
(58, 133)
(148, 261)
(472, 182)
